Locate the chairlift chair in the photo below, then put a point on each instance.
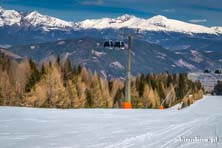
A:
(108, 44)
(217, 71)
(119, 45)
(207, 71)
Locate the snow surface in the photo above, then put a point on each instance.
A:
(112, 128)
(196, 56)
(97, 53)
(117, 65)
(156, 23)
(217, 29)
(182, 63)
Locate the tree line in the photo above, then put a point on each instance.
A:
(59, 84)
(218, 88)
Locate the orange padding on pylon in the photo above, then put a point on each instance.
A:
(127, 105)
(161, 107)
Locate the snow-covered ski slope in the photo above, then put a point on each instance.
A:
(112, 128)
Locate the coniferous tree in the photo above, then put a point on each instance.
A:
(169, 80)
(117, 85)
(106, 93)
(1, 97)
(8, 92)
(5, 62)
(79, 69)
(99, 101)
(64, 86)
(141, 85)
(146, 96)
(118, 98)
(43, 70)
(58, 61)
(81, 88)
(34, 77)
(160, 89)
(181, 87)
(218, 88)
(73, 95)
(49, 91)
(67, 71)
(89, 97)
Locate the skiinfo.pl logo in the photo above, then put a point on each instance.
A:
(198, 139)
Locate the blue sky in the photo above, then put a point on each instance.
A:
(204, 12)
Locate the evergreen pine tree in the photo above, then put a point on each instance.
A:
(1, 97)
(73, 94)
(58, 61)
(67, 71)
(218, 88)
(117, 98)
(34, 77)
(99, 101)
(141, 85)
(89, 97)
(43, 70)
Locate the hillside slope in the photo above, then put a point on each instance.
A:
(146, 57)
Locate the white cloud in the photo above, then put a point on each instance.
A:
(169, 10)
(198, 20)
(93, 2)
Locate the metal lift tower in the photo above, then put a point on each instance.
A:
(127, 102)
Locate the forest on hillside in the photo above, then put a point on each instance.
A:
(59, 84)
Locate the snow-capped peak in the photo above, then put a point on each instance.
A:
(36, 19)
(161, 23)
(34, 14)
(125, 17)
(217, 29)
(126, 20)
(158, 18)
(9, 17)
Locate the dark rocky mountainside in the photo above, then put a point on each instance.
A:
(146, 57)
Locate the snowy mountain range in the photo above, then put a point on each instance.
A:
(173, 45)
(156, 23)
(34, 19)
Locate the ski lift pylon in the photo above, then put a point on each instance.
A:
(161, 107)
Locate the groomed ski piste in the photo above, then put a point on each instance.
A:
(199, 125)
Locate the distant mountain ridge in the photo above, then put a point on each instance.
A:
(22, 28)
(156, 23)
